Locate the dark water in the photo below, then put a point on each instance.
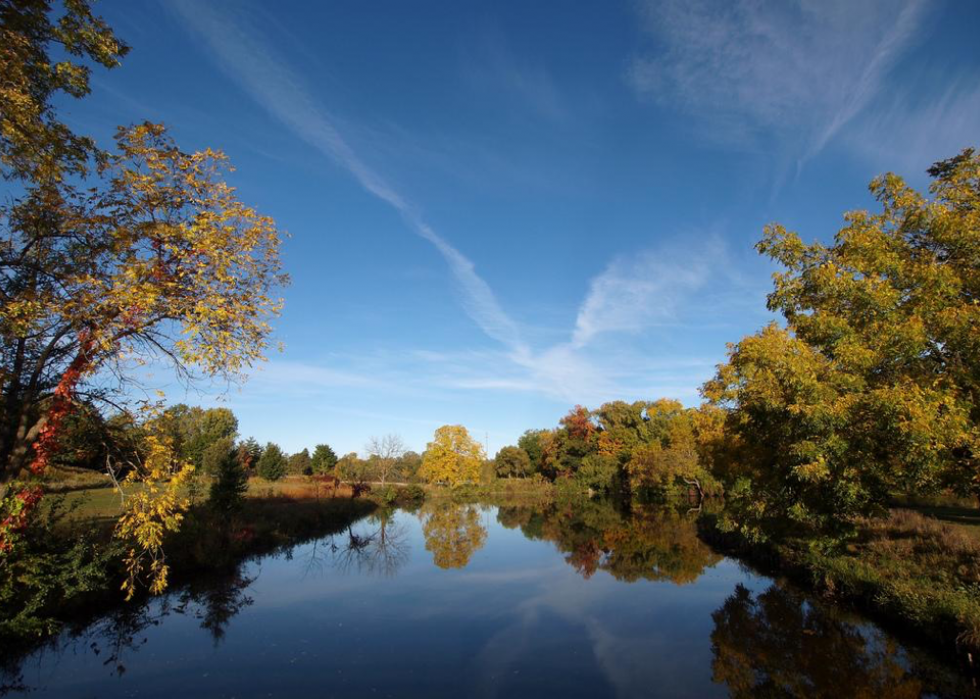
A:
(467, 600)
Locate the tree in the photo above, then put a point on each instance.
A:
(230, 484)
(301, 463)
(272, 463)
(453, 457)
(110, 260)
(161, 262)
(873, 386)
(324, 459)
(352, 469)
(669, 464)
(408, 466)
(530, 442)
(249, 453)
(35, 146)
(512, 462)
(213, 425)
(216, 454)
(385, 452)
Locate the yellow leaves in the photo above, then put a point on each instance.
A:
(452, 533)
(154, 508)
(453, 457)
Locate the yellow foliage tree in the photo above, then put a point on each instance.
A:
(453, 457)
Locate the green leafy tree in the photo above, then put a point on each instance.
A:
(352, 468)
(216, 454)
(408, 466)
(212, 425)
(300, 463)
(531, 443)
(873, 385)
(512, 462)
(324, 459)
(272, 463)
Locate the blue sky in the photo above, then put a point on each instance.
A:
(499, 210)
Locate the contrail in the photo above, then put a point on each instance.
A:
(247, 59)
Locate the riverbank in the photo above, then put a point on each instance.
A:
(913, 574)
(72, 568)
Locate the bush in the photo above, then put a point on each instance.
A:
(51, 572)
(386, 495)
(412, 494)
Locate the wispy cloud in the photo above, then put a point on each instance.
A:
(630, 295)
(246, 57)
(492, 65)
(909, 133)
(636, 292)
(753, 71)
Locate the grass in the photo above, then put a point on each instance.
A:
(911, 572)
(955, 510)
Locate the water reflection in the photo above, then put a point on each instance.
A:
(537, 613)
(649, 543)
(777, 644)
(453, 532)
(379, 548)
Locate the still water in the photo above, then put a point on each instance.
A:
(469, 600)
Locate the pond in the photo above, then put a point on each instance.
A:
(471, 600)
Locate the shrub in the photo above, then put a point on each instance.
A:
(412, 494)
(386, 495)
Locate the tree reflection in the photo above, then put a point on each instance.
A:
(453, 533)
(778, 645)
(645, 544)
(382, 551)
(217, 602)
(116, 636)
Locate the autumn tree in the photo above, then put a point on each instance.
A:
(512, 462)
(324, 459)
(110, 260)
(384, 453)
(668, 464)
(452, 458)
(249, 453)
(873, 384)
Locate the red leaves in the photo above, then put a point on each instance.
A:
(579, 423)
(24, 503)
(62, 404)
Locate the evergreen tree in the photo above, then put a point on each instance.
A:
(230, 484)
(272, 463)
(324, 459)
